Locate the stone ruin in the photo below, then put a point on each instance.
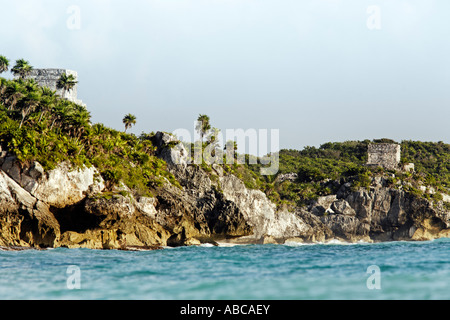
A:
(292, 176)
(49, 78)
(386, 155)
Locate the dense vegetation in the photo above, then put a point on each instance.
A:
(317, 168)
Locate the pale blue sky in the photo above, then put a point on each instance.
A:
(311, 68)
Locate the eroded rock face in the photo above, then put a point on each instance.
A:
(266, 220)
(383, 214)
(323, 205)
(342, 207)
(64, 186)
(170, 150)
(115, 205)
(60, 187)
(344, 227)
(198, 211)
(25, 220)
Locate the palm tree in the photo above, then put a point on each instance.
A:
(3, 87)
(4, 64)
(59, 111)
(14, 92)
(231, 148)
(129, 120)
(80, 121)
(213, 136)
(203, 125)
(29, 105)
(99, 130)
(48, 100)
(29, 84)
(213, 141)
(22, 69)
(66, 83)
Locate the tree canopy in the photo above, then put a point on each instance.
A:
(66, 82)
(203, 125)
(129, 120)
(4, 64)
(22, 69)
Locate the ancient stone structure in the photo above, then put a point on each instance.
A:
(49, 78)
(386, 155)
(408, 167)
(292, 176)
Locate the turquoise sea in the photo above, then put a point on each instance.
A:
(407, 270)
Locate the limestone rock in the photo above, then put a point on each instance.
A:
(323, 204)
(65, 186)
(24, 220)
(218, 169)
(263, 215)
(198, 213)
(342, 226)
(60, 187)
(115, 205)
(147, 206)
(170, 149)
(392, 214)
(343, 207)
(192, 242)
(268, 240)
(116, 229)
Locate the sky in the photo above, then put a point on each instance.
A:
(316, 70)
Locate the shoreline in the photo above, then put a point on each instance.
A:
(220, 244)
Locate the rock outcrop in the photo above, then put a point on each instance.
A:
(25, 220)
(116, 222)
(263, 216)
(198, 210)
(71, 208)
(382, 214)
(170, 149)
(60, 187)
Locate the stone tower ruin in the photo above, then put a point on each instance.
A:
(386, 155)
(49, 78)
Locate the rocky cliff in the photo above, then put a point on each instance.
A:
(70, 207)
(381, 214)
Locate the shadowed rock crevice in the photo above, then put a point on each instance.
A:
(75, 218)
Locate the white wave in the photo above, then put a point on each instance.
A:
(299, 244)
(329, 242)
(207, 245)
(228, 244)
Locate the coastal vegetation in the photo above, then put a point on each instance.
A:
(129, 120)
(66, 82)
(317, 168)
(38, 125)
(4, 64)
(22, 69)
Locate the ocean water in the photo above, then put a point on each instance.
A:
(407, 270)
